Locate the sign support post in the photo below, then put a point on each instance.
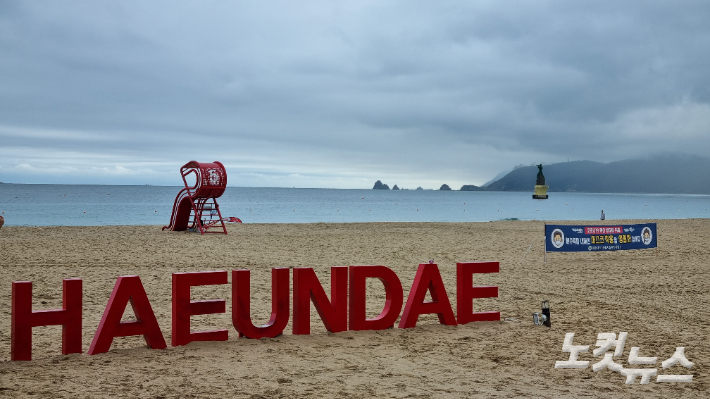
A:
(545, 234)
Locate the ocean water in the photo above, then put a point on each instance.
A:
(97, 205)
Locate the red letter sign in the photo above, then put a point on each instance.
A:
(183, 307)
(127, 288)
(465, 292)
(427, 278)
(393, 300)
(23, 318)
(241, 304)
(306, 287)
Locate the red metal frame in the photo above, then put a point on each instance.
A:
(192, 201)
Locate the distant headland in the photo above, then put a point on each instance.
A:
(659, 174)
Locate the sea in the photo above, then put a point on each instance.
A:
(103, 205)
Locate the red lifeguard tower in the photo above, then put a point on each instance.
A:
(192, 202)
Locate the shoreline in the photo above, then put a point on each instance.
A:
(511, 220)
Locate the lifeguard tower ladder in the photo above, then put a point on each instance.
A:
(192, 202)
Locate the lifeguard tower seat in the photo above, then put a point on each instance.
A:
(196, 206)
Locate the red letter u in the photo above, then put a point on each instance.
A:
(241, 304)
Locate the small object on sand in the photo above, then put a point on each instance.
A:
(431, 261)
(543, 318)
(546, 313)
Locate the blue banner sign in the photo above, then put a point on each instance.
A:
(566, 238)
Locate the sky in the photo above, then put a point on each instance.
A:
(341, 94)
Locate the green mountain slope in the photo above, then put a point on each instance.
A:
(673, 174)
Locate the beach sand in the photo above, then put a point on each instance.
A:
(659, 297)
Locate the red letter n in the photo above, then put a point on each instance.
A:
(127, 289)
(183, 307)
(427, 278)
(466, 292)
(23, 318)
(306, 287)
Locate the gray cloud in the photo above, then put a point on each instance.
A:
(339, 95)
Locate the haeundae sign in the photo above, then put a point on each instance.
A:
(344, 311)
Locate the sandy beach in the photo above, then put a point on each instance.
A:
(660, 297)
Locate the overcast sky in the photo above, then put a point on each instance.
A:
(342, 93)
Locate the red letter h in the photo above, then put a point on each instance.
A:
(23, 318)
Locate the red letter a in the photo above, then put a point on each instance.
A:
(241, 304)
(127, 288)
(427, 278)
